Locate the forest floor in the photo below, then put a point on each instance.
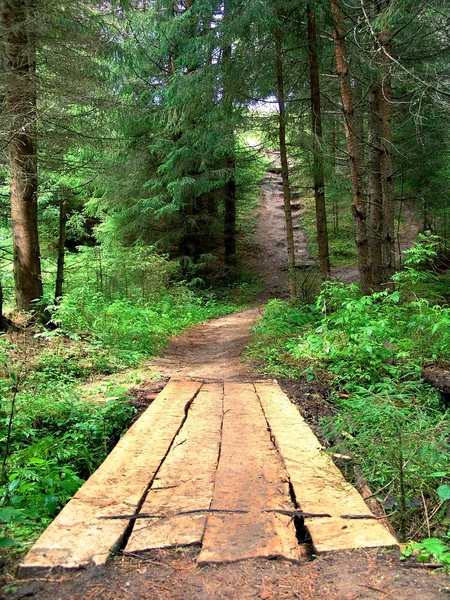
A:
(213, 351)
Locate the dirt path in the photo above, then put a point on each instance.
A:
(174, 575)
(212, 350)
(271, 237)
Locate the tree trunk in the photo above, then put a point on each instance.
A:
(61, 251)
(332, 155)
(230, 216)
(20, 107)
(2, 320)
(230, 185)
(284, 165)
(387, 180)
(358, 208)
(375, 213)
(319, 179)
(358, 119)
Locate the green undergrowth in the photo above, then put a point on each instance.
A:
(131, 330)
(370, 350)
(51, 439)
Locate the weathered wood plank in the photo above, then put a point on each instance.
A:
(318, 484)
(250, 477)
(185, 480)
(77, 537)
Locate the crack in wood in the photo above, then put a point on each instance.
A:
(288, 513)
(127, 534)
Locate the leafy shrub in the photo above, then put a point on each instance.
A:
(133, 329)
(55, 443)
(371, 350)
(430, 549)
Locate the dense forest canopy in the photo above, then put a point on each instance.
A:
(134, 137)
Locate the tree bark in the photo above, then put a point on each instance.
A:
(358, 208)
(387, 180)
(375, 213)
(284, 165)
(316, 116)
(61, 251)
(230, 185)
(20, 106)
(2, 320)
(230, 216)
(358, 118)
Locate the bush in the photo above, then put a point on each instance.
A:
(371, 349)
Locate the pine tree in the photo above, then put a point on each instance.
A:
(19, 59)
(316, 118)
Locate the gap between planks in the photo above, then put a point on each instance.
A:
(318, 484)
(250, 478)
(185, 481)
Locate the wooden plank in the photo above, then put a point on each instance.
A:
(186, 479)
(318, 484)
(77, 537)
(250, 477)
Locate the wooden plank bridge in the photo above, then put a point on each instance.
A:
(226, 465)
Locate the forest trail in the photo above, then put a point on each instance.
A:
(271, 237)
(212, 350)
(224, 443)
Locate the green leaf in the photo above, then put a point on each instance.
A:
(407, 551)
(7, 514)
(444, 492)
(6, 542)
